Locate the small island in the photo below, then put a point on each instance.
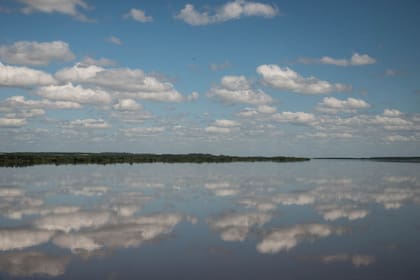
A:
(30, 159)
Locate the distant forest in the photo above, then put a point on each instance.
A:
(29, 159)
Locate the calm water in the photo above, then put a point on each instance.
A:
(313, 220)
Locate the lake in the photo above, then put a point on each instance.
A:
(322, 219)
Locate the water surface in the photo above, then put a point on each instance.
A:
(323, 219)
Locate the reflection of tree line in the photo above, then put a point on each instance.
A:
(29, 159)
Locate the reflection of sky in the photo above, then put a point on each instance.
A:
(313, 214)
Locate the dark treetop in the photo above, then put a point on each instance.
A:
(29, 159)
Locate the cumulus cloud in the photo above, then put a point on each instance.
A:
(87, 123)
(114, 40)
(138, 15)
(392, 113)
(77, 94)
(294, 117)
(284, 239)
(400, 138)
(12, 122)
(35, 53)
(67, 7)
(226, 123)
(266, 109)
(20, 102)
(219, 66)
(216, 129)
(15, 76)
(98, 62)
(235, 226)
(229, 11)
(129, 83)
(333, 105)
(11, 239)
(127, 105)
(25, 264)
(142, 131)
(355, 60)
(238, 89)
(193, 96)
(287, 79)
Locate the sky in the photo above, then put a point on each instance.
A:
(331, 78)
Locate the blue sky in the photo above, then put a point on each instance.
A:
(335, 78)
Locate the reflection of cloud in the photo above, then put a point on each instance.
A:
(356, 259)
(6, 192)
(89, 191)
(393, 198)
(33, 263)
(21, 211)
(22, 238)
(287, 238)
(235, 227)
(128, 233)
(295, 198)
(259, 203)
(222, 188)
(74, 221)
(333, 212)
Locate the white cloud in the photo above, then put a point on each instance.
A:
(78, 94)
(67, 7)
(219, 66)
(142, 131)
(35, 53)
(127, 105)
(129, 83)
(193, 96)
(238, 89)
(33, 263)
(20, 102)
(12, 122)
(138, 15)
(15, 76)
(88, 123)
(226, 123)
(98, 62)
(400, 138)
(333, 105)
(12, 239)
(216, 129)
(392, 113)
(285, 239)
(287, 79)
(132, 116)
(356, 60)
(266, 109)
(229, 11)
(294, 117)
(114, 40)
(361, 59)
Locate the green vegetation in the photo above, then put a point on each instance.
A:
(29, 159)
